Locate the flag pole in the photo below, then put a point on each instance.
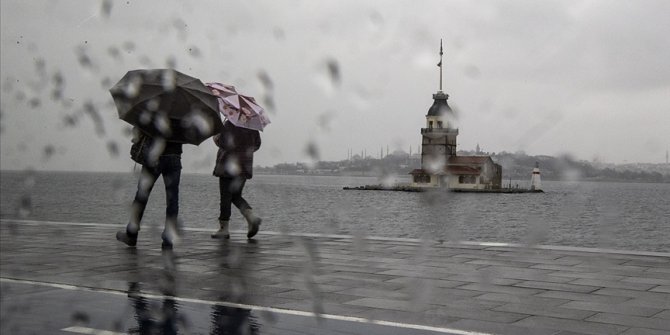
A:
(440, 64)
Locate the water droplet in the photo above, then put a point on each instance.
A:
(168, 78)
(113, 148)
(312, 151)
(80, 318)
(128, 46)
(171, 62)
(265, 80)
(106, 8)
(334, 71)
(195, 51)
(25, 207)
(34, 102)
(49, 151)
(92, 111)
(114, 52)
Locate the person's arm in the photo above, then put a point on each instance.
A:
(257, 141)
(217, 140)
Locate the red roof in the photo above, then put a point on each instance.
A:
(459, 170)
(418, 171)
(459, 165)
(468, 159)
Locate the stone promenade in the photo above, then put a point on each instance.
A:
(454, 288)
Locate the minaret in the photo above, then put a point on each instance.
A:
(535, 182)
(438, 138)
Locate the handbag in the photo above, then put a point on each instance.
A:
(138, 150)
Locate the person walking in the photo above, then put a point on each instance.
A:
(158, 157)
(234, 166)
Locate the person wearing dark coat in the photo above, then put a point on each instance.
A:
(234, 166)
(160, 157)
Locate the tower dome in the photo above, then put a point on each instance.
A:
(440, 106)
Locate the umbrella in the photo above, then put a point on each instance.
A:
(241, 110)
(169, 104)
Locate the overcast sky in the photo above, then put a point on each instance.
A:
(585, 78)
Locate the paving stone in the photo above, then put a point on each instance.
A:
(583, 297)
(323, 308)
(375, 293)
(419, 318)
(501, 262)
(613, 308)
(613, 284)
(390, 304)
(552, 311)
(662, 289)
(643, 280)
(644, 331)
(437, 283)
(663, 315)
(499, 328)
(586, 327)
(484, 278)
(586, 275)
(477, 314)
(557, 286)
(664, 270)
(648, 302)
(631, 321)
(634, 294)
(521, 299)
(499, 289)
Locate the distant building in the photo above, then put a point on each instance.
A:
(440, 166)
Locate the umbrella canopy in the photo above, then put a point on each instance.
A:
(241, 110)
(169, 104)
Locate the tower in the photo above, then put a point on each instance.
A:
(438, 137)
(535, 182)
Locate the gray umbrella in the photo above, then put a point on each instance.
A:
(169, 104)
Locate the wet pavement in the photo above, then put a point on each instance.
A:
(66, 278)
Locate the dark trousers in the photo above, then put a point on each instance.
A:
(170, 168)
(231, 192)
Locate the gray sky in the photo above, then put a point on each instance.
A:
(585, 78)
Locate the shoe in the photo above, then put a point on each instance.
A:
(168, 242)
(223, 230)
(253, 222)
(170, 234)
(125, 237)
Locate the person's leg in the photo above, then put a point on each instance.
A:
(145, 184)
(171, 180)
(171, 170)
(236, 187)
(224, 206)
(226, 197)
(253, 222)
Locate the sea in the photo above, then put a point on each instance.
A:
(622, 216)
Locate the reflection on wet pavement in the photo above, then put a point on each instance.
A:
(32, 308)
(79, 276)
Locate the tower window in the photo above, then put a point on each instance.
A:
(430, 124)
(439, 124)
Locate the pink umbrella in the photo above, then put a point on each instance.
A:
(241, 110)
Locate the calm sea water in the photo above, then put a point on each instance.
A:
(609, 215)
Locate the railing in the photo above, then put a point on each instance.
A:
(438, 130)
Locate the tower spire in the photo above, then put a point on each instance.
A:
(440, 64)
